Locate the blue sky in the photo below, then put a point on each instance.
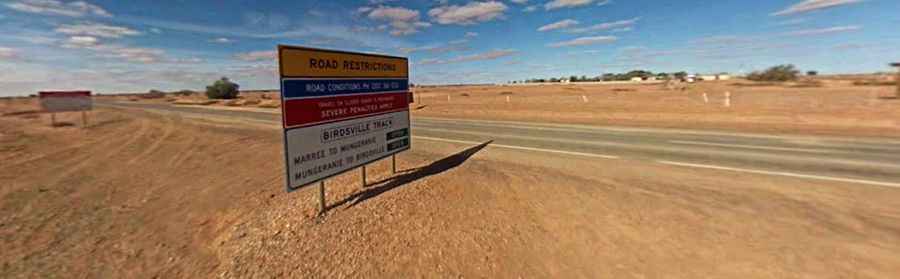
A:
(133, 46)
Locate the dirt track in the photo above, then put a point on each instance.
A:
(141, 194)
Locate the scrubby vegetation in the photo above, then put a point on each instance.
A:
(778, 73)
(223, 89)
(185, 93)
(154, 94)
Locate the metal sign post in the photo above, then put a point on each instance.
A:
(322, 196)
(364, 176)
(394, 164)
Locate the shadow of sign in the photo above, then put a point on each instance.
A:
(409, 176)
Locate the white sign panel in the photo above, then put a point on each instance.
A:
(322, 151)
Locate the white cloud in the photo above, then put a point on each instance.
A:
(468, 14)
(566, 23)
(490, 55)
(8, 53)
(813, 5)
(55, 7)
(458, 45)
(96, 30)
(257, 55)
(604, 2)
(403, 21)
(80, 42)
(155, 31)
(134, 54)
(559, 4)
(130, 54)
(363, 10)
(471, 35)
(606, 26)
(824, 31)
(191, 60)
(222, 40)
(583, 41)
(520, 2)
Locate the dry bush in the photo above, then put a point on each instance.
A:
(808, 84)
(874, 83)
(251, 102)
(623, 90)
(154, 94)
(195, 102)
(269, 104)
(507, 93)
(753, 84)
(234, 103)
(465, 95)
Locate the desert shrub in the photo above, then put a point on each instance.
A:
(154, 94)
(874, 83)
(812, 73)
(184, 93)
(506, 93)
(223, 89)
(808, 84)
(778, 73)
(623, 90)
(269, 104)
(465, 94)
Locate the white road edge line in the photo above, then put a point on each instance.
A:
(689, 142)
(788, 174)
(521, 148)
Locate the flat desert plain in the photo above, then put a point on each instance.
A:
(171, 193)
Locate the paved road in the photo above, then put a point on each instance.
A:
(860, 161)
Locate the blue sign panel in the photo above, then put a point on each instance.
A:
(303, 88)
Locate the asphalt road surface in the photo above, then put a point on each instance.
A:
(873, 162)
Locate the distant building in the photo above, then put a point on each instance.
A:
(637, 79)
(713, 77)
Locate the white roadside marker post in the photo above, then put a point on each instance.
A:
(507, 99)
(584, 98)
(705, 98)
(727, 99)
(448, 97)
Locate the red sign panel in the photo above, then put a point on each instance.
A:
(311, 111)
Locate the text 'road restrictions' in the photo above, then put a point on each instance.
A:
(340, 110)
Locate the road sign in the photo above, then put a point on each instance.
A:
(341, 110)
(63, 101)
